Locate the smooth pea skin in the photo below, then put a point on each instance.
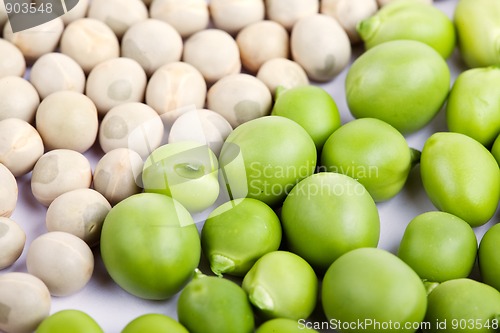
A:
(312, 108)
(154, 323)
(465, 305)
(373, 285)
(210, 304)
(237, 233)
(495, 149)
(64, 321)
(402, 82)
(150, 245)
(474, 103)
(372, 152)
(327, 215)
(460, 176)
(285, 325)
(478, 34)
(409, 19)
(489, 257)
(439, 246)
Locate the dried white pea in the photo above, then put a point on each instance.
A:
(8, 192)
(12, 240)
(63, 262)
(20, 146)
(19, 99)
(288, 12)
(12, 62)
(186, 16)
(24, 302)
(281, 72)
(119, 15)
(233, 15)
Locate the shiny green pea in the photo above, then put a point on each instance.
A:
(154, 323)
(65, 321)
(489, 257)
(473, 106)
(460, 176)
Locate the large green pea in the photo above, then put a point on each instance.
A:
(462, 306)
(489, 257)
(237, 233)
(371, 290)
(154, 323)
(372, 152)
(473, 106)
(402, 82)
(460, 176)
(282, 285)
(439, 246)
(477, 26)
(64, 321)
(210, 304)
(409, 19)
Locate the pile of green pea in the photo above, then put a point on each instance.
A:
(251, 166)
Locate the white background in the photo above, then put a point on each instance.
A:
(113, 308)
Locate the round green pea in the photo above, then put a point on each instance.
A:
(210, 304)
(460, 176)
(154, 323)
(237, 233)
(474, 103)
(64, 321)
(439, 246)
(402, 82)
(285, 325)
(372, 152)
(489, 257)
(495, 149)
(462, 306)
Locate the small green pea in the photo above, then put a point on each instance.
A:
(154, 323)
(489, 257)
(65, 321)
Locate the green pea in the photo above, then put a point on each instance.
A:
(372, 290)
(372, 152)
(439, 246)
(489, 257)
(210, 304)
(312, 108)
(462, 305)
(154, 323)
(495, 149)
(282, 284)
(474, 103)
(402, 82)
(327, 215)
(237, 233)
(477, 25)
(285, 325)
(64, 321)
(460, 176)
(409, 19)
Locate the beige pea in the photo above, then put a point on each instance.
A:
(385, 2)
(233, 15)
(64, 262)
(20, 146)
(54, 72)
(239, 98)
(282, 72)
(8, 194)
(349, 13)
(214, 53)
(59, 171)
(77, 12)
(203, 126)
(131, 125)
(12, 240)
(12, 62)
(186, 16)
(24, 302)
(119, 15)
(321, 46)
(152, 43)
(89, 42)
(19, 99)
(36, 41)
(114, 82)
(174, 88)
(117, 175)
(68, 120)
(79, 212)
(260, 42)
(288, 12)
